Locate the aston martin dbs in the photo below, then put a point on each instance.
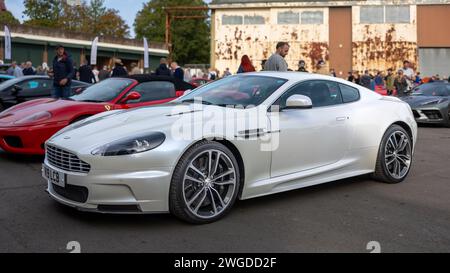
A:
(241, 137)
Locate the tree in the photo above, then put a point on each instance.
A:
(93, 19)
(6, 18)
(190, 37)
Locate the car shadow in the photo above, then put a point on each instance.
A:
(18, 158)
(167, 220)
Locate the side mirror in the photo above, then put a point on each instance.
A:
(16, 89)
(132, 96)
(298, 102)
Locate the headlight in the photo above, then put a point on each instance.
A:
(41, 116)
(438, 101)
(131, 145)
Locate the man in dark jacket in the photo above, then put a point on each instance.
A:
(119, 70)
(177, 71)
(86, 74)
(62, 73)
(162, 70)
(28, 70)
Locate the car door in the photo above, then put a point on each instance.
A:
(311, 138)
(34, 89)
(152, 92)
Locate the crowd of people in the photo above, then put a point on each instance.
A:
(399, 81)
(64, 70)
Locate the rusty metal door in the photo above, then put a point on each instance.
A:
(341, 40)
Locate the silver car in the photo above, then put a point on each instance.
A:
(237, 138)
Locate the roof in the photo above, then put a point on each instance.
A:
(179, 85)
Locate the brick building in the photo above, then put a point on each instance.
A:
(349, 35)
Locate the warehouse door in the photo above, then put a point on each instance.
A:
(341, 40)
(434, 61)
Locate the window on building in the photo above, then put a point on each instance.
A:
(312, 17)
(371, 15)
(232, 20)
(288, 18)
(397, 14)
(254, 20)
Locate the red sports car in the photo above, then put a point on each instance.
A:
(25, 127)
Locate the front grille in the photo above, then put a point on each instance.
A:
(75, 193)
(416, 114)
(432, 114)
(14, 141)
(66, 161)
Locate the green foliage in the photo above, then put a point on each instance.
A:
(6, 18)
(190, 37)
(93, 18)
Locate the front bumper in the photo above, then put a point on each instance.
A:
(431, 115)
(28, 139)
(114, 191)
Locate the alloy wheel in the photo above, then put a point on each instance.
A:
(398, 154)
(209, 183)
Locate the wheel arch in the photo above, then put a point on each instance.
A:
(232, 148)
(407, 128)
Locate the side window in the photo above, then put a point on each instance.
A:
(35, 84)
(349, 94)
(321, 93)
(155, 90)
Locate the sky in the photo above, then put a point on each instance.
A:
(127, 8)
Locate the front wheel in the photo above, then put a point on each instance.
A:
(394, 156)
(205, 183)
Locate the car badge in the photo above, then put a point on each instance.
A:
(107, 107)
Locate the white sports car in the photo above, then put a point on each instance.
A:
(240, 137)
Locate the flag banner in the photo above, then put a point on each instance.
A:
(7, 44)
(146, 60)
(94, 51)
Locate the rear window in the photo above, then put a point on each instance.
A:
(349, 94)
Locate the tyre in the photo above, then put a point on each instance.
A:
(205, 183)
(394, 156)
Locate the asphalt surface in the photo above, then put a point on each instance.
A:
(342, 216)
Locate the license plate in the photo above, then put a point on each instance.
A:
(57, 178)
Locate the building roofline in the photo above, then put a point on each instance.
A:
(236, 4)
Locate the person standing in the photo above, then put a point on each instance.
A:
(177, 71)
(96, 73)
(28, 71)
(17, 71)
(104, 73)
(62, 73)
(277, 61)
(135, 69)
(11, 69)
(302, 66)
(350, 77)
(322, 69)
(409, 75)
(366, 80)
(390, 78)
(86, 74)
(227, 73)
(401, 83)
(162, 69)
(246, 65)
(119, 70)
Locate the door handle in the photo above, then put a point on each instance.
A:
(341, 118)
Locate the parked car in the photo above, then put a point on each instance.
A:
(286, 131)
(25, 127)
(430, 103)
(27, 88)
(4, 78)
(199, 81)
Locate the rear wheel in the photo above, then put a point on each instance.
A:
(205, 183)
(394, 156)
